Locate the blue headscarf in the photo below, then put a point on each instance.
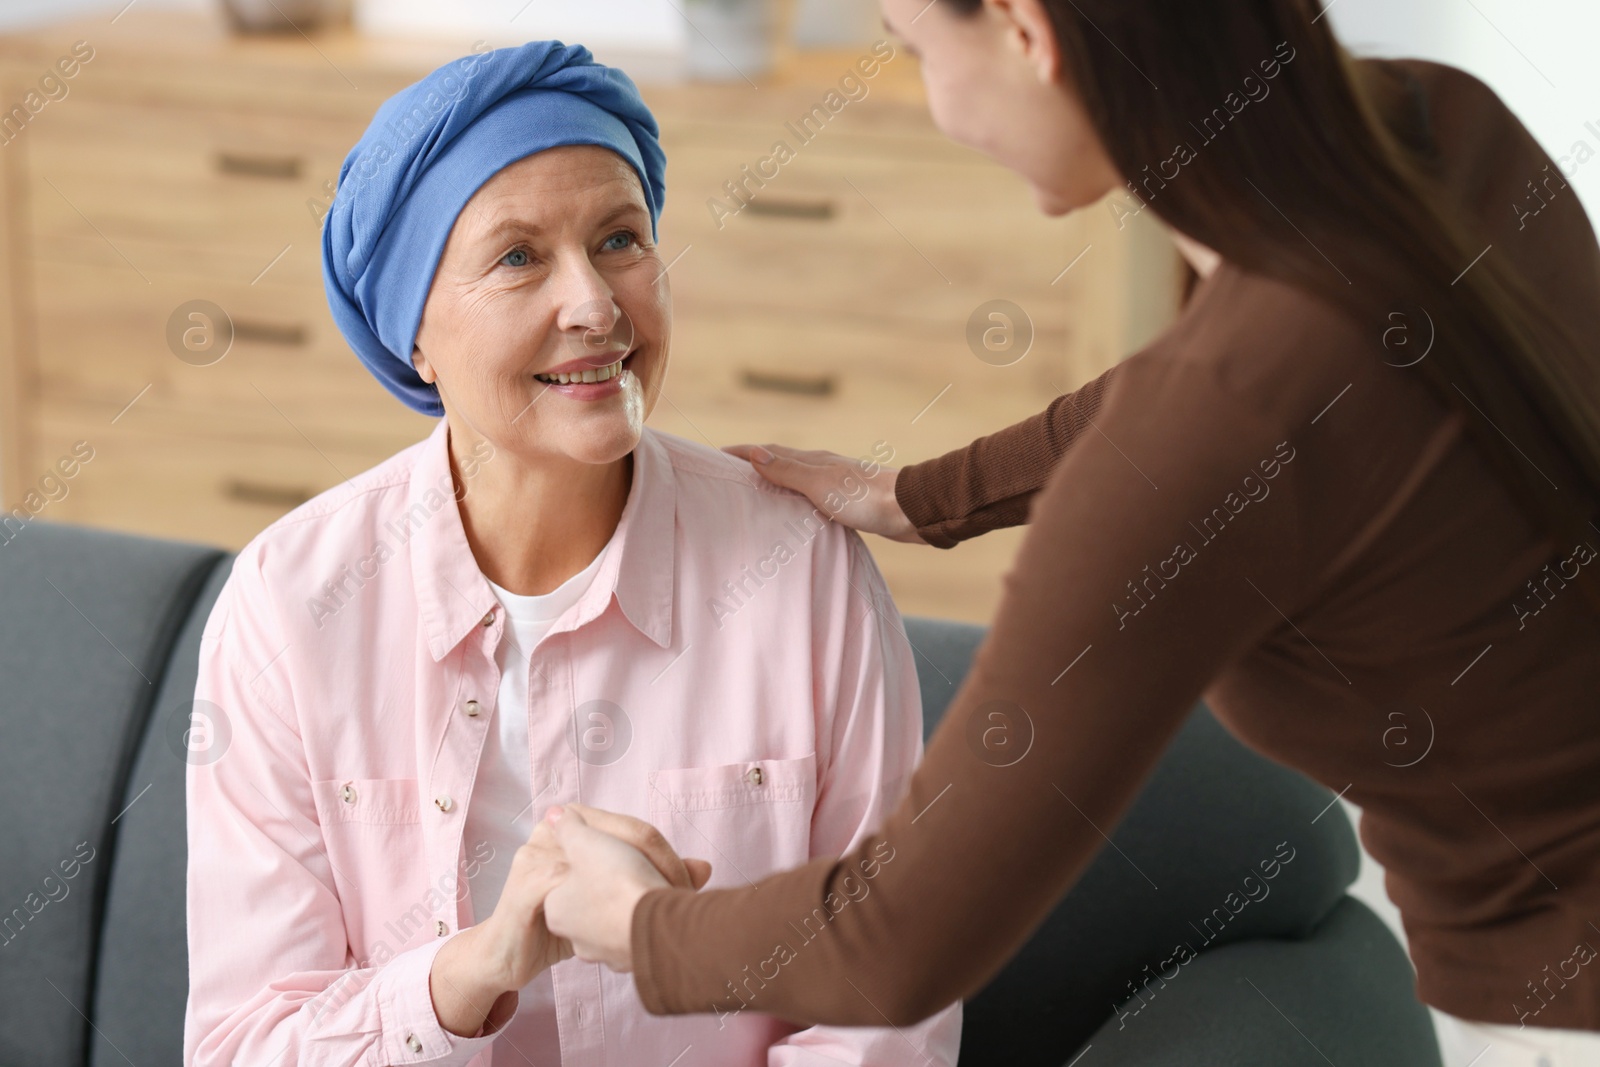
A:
(427, 150)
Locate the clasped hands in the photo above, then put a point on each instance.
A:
(573, 887)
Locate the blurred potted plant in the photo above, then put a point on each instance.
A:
(731, 39)
(286, 16)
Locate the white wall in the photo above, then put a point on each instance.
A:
(1537, 54)
(627, 24)
(630, 24)
(15, 13)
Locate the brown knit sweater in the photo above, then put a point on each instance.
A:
(1266, 513)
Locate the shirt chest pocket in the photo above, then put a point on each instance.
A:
(373, 831)
(377, 801)
(748, 819)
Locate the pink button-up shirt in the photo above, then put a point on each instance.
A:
(756, 700)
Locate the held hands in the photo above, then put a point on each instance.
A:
(519, 940)
(571, 890)
(573, 887)
(838, 485)
(611, 861)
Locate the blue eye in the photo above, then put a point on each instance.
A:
(625, 235)
(523, 252)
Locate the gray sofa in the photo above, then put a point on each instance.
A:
(98, 640)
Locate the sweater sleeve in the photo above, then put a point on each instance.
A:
(1115, 616)
(988, 484)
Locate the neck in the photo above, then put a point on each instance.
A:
(1201, 258)
(532, 523)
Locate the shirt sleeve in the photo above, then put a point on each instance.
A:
(1115, 616)
(874, 742)
(272, 981)
(989, 484)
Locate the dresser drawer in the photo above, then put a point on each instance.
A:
(746, 357)
(905, 421)
(174, 187)
(287, 372)
(864, 233)
(162, 479)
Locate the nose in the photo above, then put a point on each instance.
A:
(587, 313)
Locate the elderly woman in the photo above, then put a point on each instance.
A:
(542, 602)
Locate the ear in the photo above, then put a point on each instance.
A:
(420, 363)
(1026, 27)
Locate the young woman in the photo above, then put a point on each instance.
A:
(1357, 479)
(530, 606)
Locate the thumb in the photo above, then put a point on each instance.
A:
(570, 827)
(699, 872)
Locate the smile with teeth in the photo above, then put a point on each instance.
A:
(591, 374)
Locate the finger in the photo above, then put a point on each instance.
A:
(641, 835)
(546, 862)
(745, 451)
(788, 467)
(543, 832)
(699, 872)
(749, 453)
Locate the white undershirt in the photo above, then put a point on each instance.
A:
(501, 811)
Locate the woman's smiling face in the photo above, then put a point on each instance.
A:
(550, 268)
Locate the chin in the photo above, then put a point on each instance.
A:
(607, 450)
(1054, 202)
(604, 444)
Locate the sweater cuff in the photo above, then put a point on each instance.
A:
(913, 491)
(646, 981)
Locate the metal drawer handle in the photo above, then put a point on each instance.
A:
(285, 168)
(822, 385)
(260, 493)
(269, 333)
(779, 208)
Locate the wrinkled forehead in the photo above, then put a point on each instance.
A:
(580, 184)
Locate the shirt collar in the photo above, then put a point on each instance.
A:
(452, 594)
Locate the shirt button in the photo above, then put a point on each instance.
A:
(754, 776)
(444, 802)
(412, 1043)
(473, 707)
(488, 620)
(347, 793)
(440, 928)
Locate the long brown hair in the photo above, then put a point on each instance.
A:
(1340, 148)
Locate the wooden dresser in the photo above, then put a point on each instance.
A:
(836, 310)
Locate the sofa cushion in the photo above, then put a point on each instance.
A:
(1211, 814)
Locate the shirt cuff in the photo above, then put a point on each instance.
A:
(411, 1029)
